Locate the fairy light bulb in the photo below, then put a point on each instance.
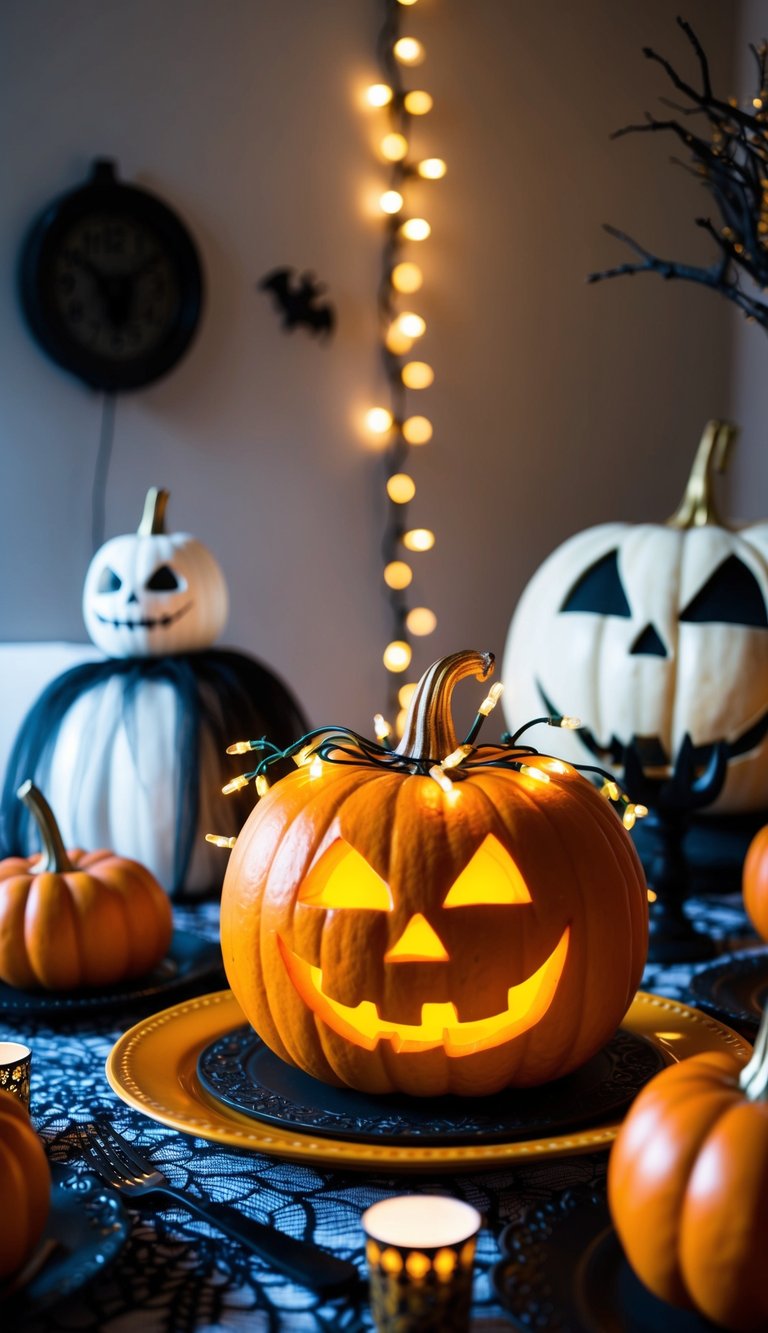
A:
(432, 168)
(411, 324)
(570, 723)
(416, 229)
(531, 771)
(420, 620)
(398, 343)
(406, 277)
(409, 51)
(379, 420)
(218, 840)
(418, 539)
(239, 747)
(391, 201)
(417, 375)
(381, 727)
(456, 757)
(441, 778)
(491, 699)
(262, 785)
(397, 574)
(397, 655)
(401, 488)
(417, 430)
(610, 791)
(394, 147)
(379, 94)
(418, 102)
(406, 2)
(316, 767)
(405, 693)
(236, 784)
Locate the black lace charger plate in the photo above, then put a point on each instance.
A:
(191, 961)
(239, 1071)
(734, 988)
(563, 1269)
(87, 1227)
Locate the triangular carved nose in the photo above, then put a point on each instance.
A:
(649, 643)
(419, 943)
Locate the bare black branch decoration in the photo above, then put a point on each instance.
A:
(730, 159)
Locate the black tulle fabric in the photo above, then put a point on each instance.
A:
(222, 693)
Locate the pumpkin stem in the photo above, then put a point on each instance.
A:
(429, 732)
(753, 1079)
(54, 857)
(697, 506)
(153, 519)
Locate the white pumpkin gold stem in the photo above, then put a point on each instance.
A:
(54, 857)
(697, 507)
(153, 519)
(429, 732)
(753, 1079)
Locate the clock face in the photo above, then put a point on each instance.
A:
(111, 284)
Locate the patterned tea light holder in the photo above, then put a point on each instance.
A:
(15, 1061)
(420, 1250)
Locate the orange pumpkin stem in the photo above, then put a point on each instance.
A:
(697, 507)
(753, 1079)
(153, 519)
(429, 731)
(54, 857)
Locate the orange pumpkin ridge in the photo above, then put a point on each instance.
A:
(26, 1179)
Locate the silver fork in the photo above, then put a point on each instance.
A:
(119, 1165)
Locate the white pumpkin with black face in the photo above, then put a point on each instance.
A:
(152, 593)
(651, 634)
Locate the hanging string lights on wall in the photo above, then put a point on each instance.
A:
(395, 424)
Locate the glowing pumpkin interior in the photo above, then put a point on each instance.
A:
(342, 880)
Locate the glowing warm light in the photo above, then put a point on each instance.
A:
(409, 51)
(556, 766)
(491, 699)
(397, 655)
(262, 785)
(652, 896)
(445, 1263)
(417, 430)
(419, 943)
(417, 375)
(405, 693)
(316, 767)
(236, 784)
(239, 747)
(400, 721)
(398, 342)
(530, 771)
(379, 94)
(416, 229)
(420, 620)
(303, 757)
(432, 168)
(629, 817)
(456, 756)
(610, 791)
(391, 201)
(406, 2)
(641, 811)
(439, 776)
(411, 324)
(419, 539)
(342, 878)
(219, 841)
(379, 420)
(570, 723)
(401, 488)
(397, 574)
(392, 1261)
(394, 147)
(419, 1221)
(417, 1265)
(490, 877)
(440, 1026)
(417, 102)
(406, 277)
(381, 727)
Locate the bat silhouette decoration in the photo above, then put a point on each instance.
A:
(296, 300)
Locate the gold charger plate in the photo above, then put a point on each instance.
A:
(153, 1068)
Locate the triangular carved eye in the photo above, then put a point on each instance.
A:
(730, 596)
(109, 581)
(163, 580)
(342, 878)
(599, 589)
(490, 877)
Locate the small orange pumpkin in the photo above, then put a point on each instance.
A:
(755, 882)
(688, 1186)
(387, 928)
(71, 920)
(26, 1186)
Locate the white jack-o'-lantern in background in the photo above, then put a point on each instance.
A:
(651, 634)
(151, 593)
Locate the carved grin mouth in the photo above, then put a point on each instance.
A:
(440, 1025)
(652, 753)
(147, 622)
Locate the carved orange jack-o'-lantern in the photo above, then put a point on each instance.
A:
(382, 930)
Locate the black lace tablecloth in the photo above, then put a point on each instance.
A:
(175, 1276)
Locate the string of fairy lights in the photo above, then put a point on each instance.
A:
(401, 328)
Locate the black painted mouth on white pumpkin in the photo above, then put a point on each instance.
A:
(651, 751)
(147, 622)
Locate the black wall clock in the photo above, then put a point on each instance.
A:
(111, 283)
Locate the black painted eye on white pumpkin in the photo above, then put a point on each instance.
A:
(730, 596)
(599, 589)
(109, 581)
(164, 580)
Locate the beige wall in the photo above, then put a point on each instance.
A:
(556, 404)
